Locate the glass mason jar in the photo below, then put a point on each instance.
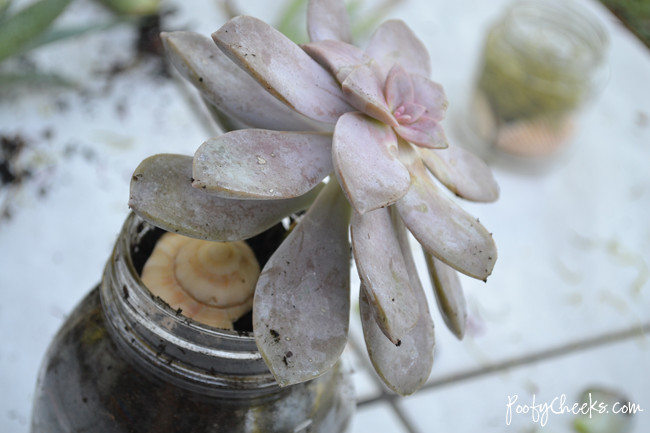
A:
(541, 62)
(124, 361)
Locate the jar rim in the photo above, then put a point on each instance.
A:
(191, 354)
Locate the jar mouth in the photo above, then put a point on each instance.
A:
(141, 247)
(561, 36)
(189, 353)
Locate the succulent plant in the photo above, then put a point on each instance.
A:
(369, 120)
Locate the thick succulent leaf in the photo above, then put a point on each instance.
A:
(232, 91)
(365, 156)
(399, 89)
(340, 58)
(404, 368)
(431, 95)
(328, 19)
(224, 121)
(464, 173)
(282, 68)
(394, 42)
(449, 295)
(364, 92)
(162, 194)
(261, 164)
(442, 227)
(383, 273)
(424, 132)
(302, 300)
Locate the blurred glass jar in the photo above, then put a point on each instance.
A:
(124, 361)
(541, 63)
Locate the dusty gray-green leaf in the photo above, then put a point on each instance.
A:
(442, 227)
(404, 368)
(232, 91)
(302, 300)
(383, 273)
(16, 31)
(162, 194)
(328, 19)
(449, 295)
(282, 68)
(261, 164)
(464, 173)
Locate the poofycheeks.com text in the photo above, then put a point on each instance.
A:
(540, 412)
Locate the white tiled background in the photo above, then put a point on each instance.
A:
(574, 243)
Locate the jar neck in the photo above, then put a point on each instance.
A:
(171, 346)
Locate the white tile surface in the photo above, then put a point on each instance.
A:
(480, 404)
(376, 418)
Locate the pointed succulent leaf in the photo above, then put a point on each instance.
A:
(399, 89)
(282, 68)
(364, 92)
(395, 42)
(404, 368)
(261, 164)
(162, 194)
(449, 295)
(424, 132)
(230, 89)
(431, 95)
(464, 173)
(328, 19)
(302, 300)
(340, 58)
(383, 273)
(365, 156)
(442, 227)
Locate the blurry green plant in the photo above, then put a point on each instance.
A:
(613, 419)
(132, 7)
(364, 18)
(635, 14)
(30, 28)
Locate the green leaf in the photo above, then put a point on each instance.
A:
(132, 7)
(27, 24)
(4, 6)
(53, 35)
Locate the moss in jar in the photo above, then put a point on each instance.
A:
(520, 86)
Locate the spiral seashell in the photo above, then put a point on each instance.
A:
(211, 282)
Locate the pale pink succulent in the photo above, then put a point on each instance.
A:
(246, 180)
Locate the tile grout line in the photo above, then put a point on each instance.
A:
(601, 340)
(390, 398)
